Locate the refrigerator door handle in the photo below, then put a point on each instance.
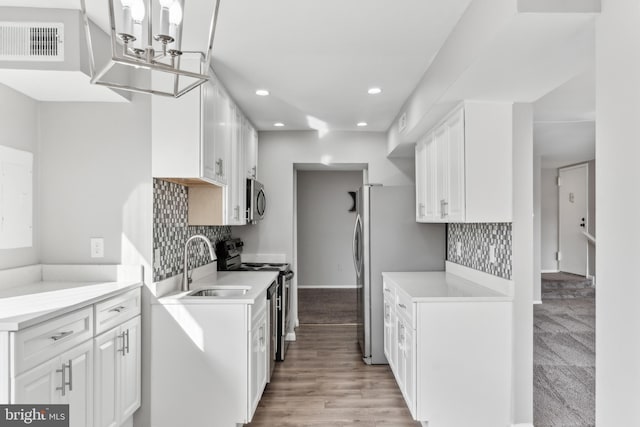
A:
(354, 249)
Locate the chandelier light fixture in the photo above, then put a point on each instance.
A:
(155, 46)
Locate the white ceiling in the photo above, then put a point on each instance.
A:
(318, 58)
(564, 130)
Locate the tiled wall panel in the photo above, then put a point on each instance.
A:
(475, 240)
(170, 231)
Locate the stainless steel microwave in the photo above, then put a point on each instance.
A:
(256, 201)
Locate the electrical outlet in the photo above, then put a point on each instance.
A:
(458, 248)
(156, 258)
(492, 254)
(97, 247)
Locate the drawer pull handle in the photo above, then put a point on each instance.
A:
(61, 335)
(118, 309)
(403, 306)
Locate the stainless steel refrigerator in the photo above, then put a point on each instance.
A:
(386, 237)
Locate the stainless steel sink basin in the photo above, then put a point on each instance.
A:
(219, 291)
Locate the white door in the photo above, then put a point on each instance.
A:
(455, 208)
(108, 348)
(79, 394)
(38, 385)
(421, 179)
(130, 368)
(573, 207)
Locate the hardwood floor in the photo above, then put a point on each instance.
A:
(323, 382)
(327, 306)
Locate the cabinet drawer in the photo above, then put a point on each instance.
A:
(117, 310)
(258, 309)
(41, 342)
(388, 290)
(405, 308)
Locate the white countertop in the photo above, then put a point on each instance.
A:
(26, 305)
(440, 286)
(258, 281)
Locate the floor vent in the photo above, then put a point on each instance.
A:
(29, 41)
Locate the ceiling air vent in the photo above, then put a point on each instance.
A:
(30, 41)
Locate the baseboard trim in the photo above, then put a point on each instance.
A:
(291, 336)
(537, 302)
(522, 425)
(545, 271)
(327, 287)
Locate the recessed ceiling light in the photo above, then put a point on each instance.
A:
(374, 91)
(262, 92)
(362, 124)
(278, 124)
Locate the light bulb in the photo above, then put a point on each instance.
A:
(138, 10)
(175, 13)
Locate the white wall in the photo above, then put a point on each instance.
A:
(618, 208)
(19, 130)
(325, 228)
(537, 227)
(277, 153)
(96, 182)
(96, 169)
(549, 219)
(523, 271)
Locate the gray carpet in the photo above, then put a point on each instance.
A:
(566, 285)
(326, 306)
(564, 363)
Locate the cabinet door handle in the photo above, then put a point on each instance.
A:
(387, 290)
(254, 171)
(421, 210)
(65, 383)
(61, 335)
(402, 306)
(70, 383)
(219, 167)
(123, 348)
(236, 213)
(118, 309)
(126, 346)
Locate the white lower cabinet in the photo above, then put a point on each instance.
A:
(117, 374)
(451, 359)
(390, 348)
(73, 359)
(259, 359)
(65, 379)
(218, 376)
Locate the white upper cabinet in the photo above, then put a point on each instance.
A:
(237, 182)
(463, 166)
(191, 134)
(203, 140)
(250, 139)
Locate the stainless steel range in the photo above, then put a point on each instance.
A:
(228, 252)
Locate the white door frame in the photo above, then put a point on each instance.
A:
(584, 166)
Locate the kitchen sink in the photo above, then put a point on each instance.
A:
(220, 291)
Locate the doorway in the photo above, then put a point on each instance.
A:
(573, 219)
(325, 214)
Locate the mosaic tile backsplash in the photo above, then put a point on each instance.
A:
(476, 239)
(170, 231)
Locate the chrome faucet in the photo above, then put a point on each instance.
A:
(186, 280)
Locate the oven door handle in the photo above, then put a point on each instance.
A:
(288, 275)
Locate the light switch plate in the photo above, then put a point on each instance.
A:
(97, 247)
(458, 248)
